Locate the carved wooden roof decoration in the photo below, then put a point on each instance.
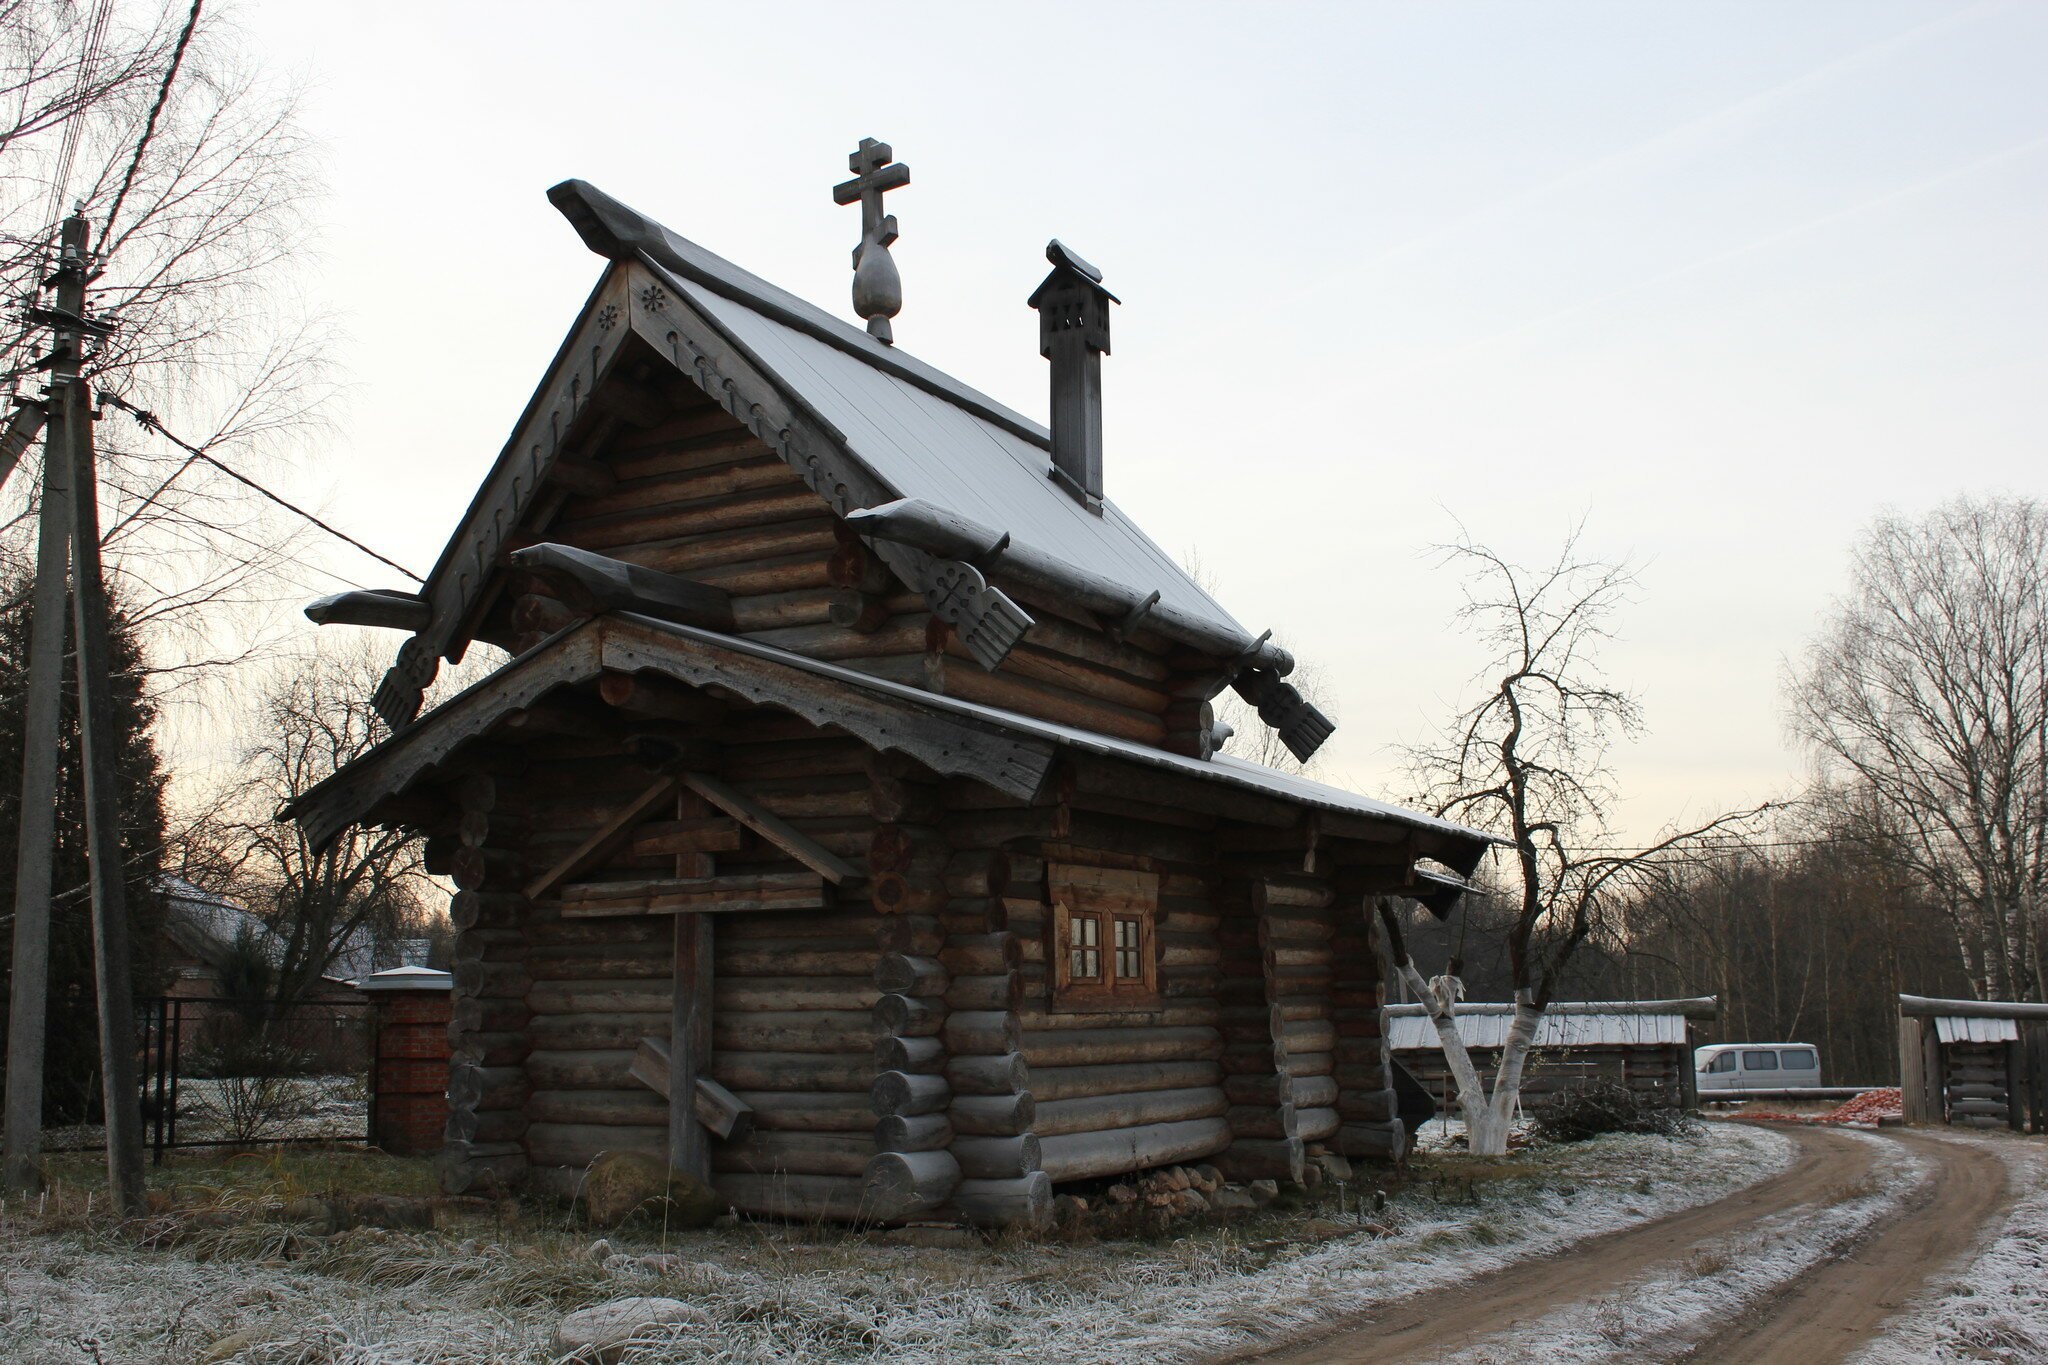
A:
(877, 287)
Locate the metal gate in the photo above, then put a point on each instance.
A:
(253, 1073)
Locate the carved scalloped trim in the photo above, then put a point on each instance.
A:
(944, 743)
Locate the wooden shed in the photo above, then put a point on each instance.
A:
(1645, 1044)
(1978, 1063)
(849, 822)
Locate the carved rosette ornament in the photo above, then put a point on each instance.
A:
(877, 287)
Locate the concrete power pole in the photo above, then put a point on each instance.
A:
(69, 449)
(29, 986)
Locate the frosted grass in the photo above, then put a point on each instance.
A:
(365, 1298)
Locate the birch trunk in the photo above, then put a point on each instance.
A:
(1487, 1117)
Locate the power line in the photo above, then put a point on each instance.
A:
(148, 422)
(88, 68)
(156, 110)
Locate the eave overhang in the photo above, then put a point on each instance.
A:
(1012, 753)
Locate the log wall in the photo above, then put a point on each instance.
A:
(902, 1050)
(489, 1046)
(1366, 1108)
(1127, 1087)
(1649, 1070)
(1977, 1082)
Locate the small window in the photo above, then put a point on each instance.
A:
(1759, 1061)
(1800, 1059)
(1102, 947)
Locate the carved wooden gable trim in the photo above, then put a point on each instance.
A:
(456, 586)
(633, 299)
(953, 746)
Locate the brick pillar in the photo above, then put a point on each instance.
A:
(409, 1012)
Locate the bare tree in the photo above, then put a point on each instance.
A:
(150, 117)
(369, 884)
(1928, 689)
(1528, 761)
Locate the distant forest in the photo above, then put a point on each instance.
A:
(1806, 934)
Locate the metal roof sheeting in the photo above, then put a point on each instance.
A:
(1488, 1028)
(1951, 1028)
(925, 446)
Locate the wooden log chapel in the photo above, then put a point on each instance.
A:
(850, 821)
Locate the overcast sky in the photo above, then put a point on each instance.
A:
(1723, 279)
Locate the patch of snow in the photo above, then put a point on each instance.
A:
(1996, 1307)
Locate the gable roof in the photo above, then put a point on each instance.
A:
(923, 433)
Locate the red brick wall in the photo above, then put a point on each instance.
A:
(409, 1076)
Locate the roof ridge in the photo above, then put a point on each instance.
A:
(619, 232)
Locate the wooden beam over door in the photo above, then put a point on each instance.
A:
(695, 895)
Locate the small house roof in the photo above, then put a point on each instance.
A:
(1580, 1023)
(206, 924)
(407, 979)
(1955, 1028)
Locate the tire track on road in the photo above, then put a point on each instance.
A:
(1838, 1306)
(1429, 1325)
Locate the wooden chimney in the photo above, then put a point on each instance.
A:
(1073, 333)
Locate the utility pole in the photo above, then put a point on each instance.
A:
(29, 987)
(68, 448)
(96, 732)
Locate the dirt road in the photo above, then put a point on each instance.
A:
(1838, 1305)
(1819, 1316)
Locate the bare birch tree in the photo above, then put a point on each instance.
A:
(1528, 761)
(149, 116)
(1927, 688)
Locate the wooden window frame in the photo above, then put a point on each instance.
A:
(1110, 901)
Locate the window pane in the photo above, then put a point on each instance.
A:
(1129, 934)
(1759, 1061)
(1086, 932)
(1725, 1062)
(1091, 969)
(1800, 1059)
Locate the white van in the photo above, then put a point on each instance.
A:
(1757, 1066)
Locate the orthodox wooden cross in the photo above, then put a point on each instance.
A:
(708, 818)
(877, 288)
